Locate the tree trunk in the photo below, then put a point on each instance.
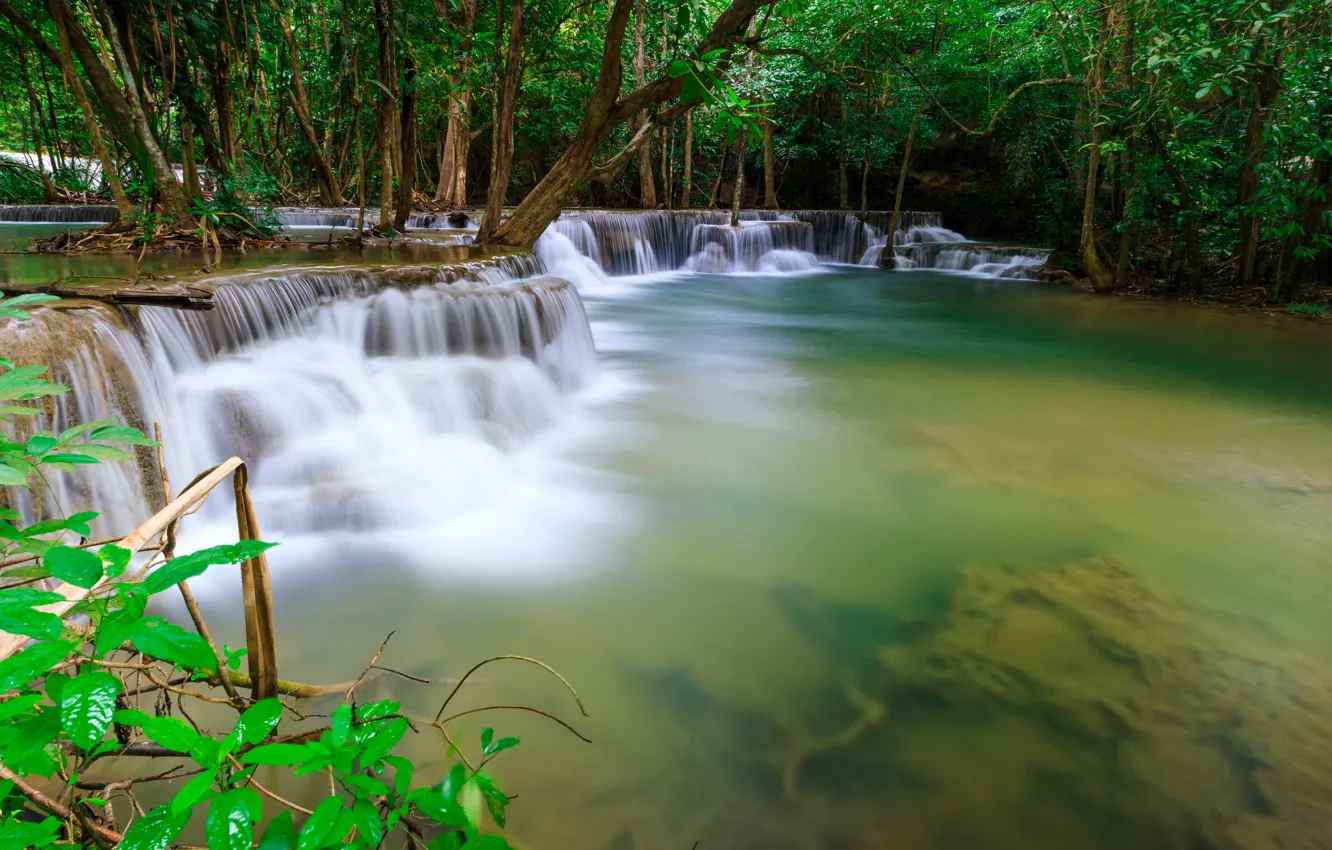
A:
(124, 209)
(407, 177)
(452, 187)
(1102, 280)
(169, 191)
(330, 191)
(738, 188)
(843, 189)
(716, 184)
(686, 188)
(188, 165)
(605, 112)
(888, 259)
(1266, 92)
(35, 118)
(647, 187)
(383, 10)
(502, 133)
(769, 165)
(1188, 215)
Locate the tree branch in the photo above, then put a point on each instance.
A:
(1008, 101)
(607, 170)
(63, 812)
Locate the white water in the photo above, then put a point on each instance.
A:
(399, 410)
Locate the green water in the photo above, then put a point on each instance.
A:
(805, 465)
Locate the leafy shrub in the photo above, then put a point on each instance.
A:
(1314, 311)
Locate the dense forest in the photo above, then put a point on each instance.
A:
(1156, 143)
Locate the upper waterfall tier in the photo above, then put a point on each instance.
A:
(326, 379)
(58, 214)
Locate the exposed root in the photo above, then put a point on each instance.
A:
(804, 745)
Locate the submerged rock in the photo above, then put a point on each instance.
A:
(1117, 706)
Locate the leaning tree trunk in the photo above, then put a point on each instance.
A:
(648, 188)
(169, 191)
(888, 259)
(330, 191)
(605, 112)
(35, 118)
(124, 209)
(502, 134)
(843, 188)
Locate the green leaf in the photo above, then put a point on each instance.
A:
(496, 800)
(487, 734)
(385, 739)
(370, 786)
(231, 819)
(279, 833)
(155, 830)
(320, 824)
(86, 705)
(170, 732)
(258, 721)
(188, 566)
(11, 477)
(40, 444)
(277, 754)
(11, 708)
(341, 724)
(166, 641)
(501, 745)
(33, 737)
(122, 434)
(443, 811)
(79, 567)
(369, 827)
(28, 835)
(18, 615)
(402, 773)
(192, 792)
(115, 559)
(32, 661)
(453, 782)
(99, 451)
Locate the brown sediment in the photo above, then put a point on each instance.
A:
(1079, 686)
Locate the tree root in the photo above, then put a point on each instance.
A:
(805, 745)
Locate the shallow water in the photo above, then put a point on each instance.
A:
(777, 477)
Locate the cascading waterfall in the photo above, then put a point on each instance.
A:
(338, 385)
(757, 246)
(58, 214)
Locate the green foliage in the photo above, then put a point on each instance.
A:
(64, 704)
(1313, 311)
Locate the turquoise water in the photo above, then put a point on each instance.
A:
(796, 474)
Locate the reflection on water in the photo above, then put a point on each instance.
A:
(823, 621)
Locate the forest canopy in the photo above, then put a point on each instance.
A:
(1179, 140)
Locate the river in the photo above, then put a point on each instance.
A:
(772, 507)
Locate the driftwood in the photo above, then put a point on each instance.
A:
(128, 292)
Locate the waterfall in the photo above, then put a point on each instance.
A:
(756, 246)
(936, 247)
(339, 385)
(58, 214)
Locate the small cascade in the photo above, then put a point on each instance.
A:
(338, 385)
(754, 246)
(58, 214)
(303, 217)
(935, 247)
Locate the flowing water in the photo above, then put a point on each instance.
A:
(783, 527)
